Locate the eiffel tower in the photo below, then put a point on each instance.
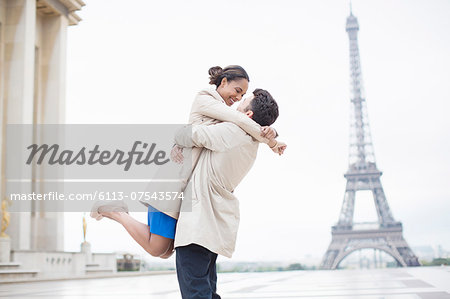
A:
(386, 234)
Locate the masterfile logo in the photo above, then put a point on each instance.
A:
(94, 156)
(66, 167)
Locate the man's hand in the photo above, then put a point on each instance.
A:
(176, 155)
(268, 132)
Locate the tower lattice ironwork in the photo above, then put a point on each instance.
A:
(386, 234)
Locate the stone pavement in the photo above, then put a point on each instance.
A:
(400, 283)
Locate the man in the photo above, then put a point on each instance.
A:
(211, 228)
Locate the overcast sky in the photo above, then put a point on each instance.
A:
(143, 62)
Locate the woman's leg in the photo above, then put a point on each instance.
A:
(154, 244)
(169, 251)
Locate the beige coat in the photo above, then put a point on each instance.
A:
(208, 108)
(228, 154)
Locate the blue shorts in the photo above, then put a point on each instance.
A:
(160, 223)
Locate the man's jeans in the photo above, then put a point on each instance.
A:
(196, 272)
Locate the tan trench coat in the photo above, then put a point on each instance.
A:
(208, 108)
(228, 155)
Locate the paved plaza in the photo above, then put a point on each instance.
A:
(400, 283)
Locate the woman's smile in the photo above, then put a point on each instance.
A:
(231, 101)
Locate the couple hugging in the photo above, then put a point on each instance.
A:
(223, 143)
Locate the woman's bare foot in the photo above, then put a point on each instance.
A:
(101, 207)
(112, 215)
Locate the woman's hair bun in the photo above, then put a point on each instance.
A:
(214, 73)
(231, 72)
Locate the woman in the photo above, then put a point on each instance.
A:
(231, 84)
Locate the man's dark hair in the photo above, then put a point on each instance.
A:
(264, 107)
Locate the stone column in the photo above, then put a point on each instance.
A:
(19, 45)
(3, 106)
(50, 102)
